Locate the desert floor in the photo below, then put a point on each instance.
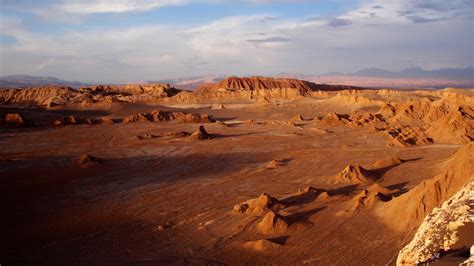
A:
(170, 200)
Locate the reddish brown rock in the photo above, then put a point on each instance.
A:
(14, 120)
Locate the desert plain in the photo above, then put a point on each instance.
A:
(245, 171)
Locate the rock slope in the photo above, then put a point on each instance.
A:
(408, 211)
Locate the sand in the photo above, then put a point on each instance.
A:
(349, 187)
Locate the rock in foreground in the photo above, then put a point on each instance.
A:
(447, 228)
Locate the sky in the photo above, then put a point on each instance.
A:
(142, 40)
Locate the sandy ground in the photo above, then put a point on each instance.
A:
(170, 200)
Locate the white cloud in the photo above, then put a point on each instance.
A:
(113, 6)
(120, 6)
(251, 44)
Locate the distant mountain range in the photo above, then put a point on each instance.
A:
(191, 83)
(413, 72)
(22, 81)
(457, 76)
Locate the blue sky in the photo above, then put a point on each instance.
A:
(138, 40)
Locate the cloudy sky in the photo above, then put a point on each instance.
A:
(139, 40)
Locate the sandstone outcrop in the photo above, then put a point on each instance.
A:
(52, 96)
(407, 136)
(48, 96)
(201, 134)
(354, 174)
(73, 120)
(13, 120)
(258, 205)
(261, 88)
(158, 115)
(446, 228)
(134, 92)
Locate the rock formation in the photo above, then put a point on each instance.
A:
(258, 205)
(407, 136)
(134, 92)
(13, 120)
(334, 119)
(51, 96)
(354, 174)
(408, 210)
(41, 96)
(158, 115)
(201, 134)
(261, 88)
(449, 227)
(366, 199)
(415, 122)
(72, 120)
(273, 223)
(444, 121)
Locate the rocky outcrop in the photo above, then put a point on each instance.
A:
(261, 88)
(258, 205)
(134, 92)
(415, 122)
(51, 96)
(73, 120)
(259, 83)
(158, 115)
(444, 120)
(42, 96)
(13, 120)
(407, 136)
(354, 174)
(456, 126)
(446, 228)
(333, 119)
(201, 134)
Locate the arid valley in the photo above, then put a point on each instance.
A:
(244, 171)
(237, 132)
